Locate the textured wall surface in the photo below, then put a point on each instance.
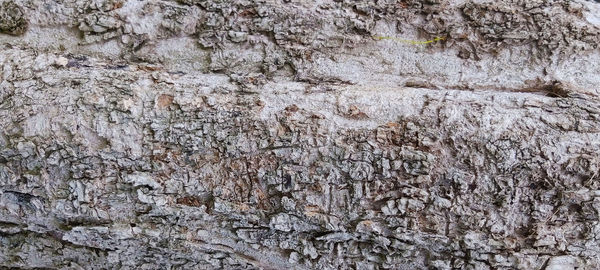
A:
(292, 134)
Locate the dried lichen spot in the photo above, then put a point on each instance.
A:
(12, 19)
(164, 101)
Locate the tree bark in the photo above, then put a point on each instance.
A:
(205, 134)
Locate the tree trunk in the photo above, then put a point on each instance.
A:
(291, 134)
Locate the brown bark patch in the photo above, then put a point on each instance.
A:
(164, 101)
(190, 201)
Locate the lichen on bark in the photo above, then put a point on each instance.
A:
(12, 19)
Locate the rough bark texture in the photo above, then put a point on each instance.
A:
(205, 134)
